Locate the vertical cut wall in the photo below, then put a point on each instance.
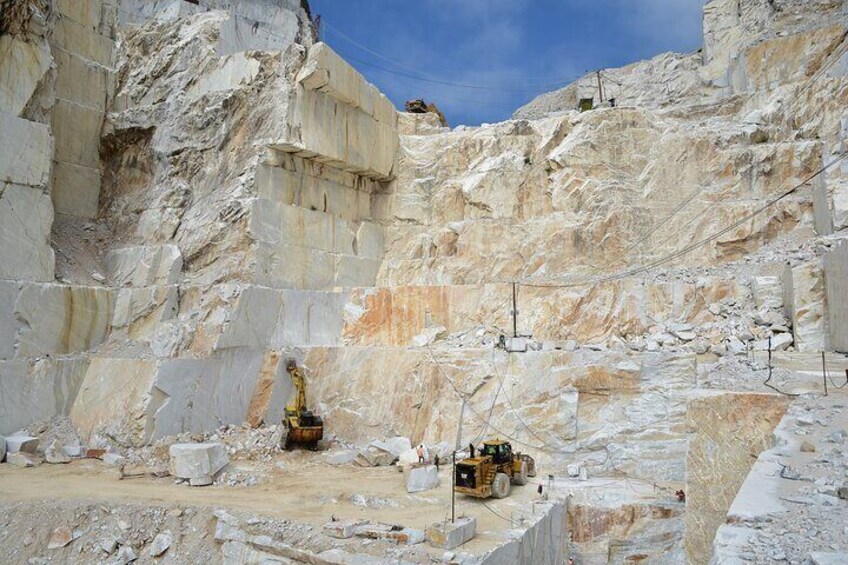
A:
(836, 285)
(728, 432)
(82, 42)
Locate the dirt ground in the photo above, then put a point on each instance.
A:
(298, 486)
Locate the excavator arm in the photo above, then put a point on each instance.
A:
(299, 402)
(302, 425)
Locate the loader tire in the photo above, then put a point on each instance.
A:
(520, 478)
(501, 486)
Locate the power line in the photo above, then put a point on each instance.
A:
(492, 510)
(545, 448)
(511, 406)
(650, 232)
(427, 77)
(689, 248)
(508, 96)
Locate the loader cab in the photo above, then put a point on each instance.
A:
(499, 451)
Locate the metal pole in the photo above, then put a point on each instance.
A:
(514, 313)
(453, 489)
(769, 359)
(824, 373)
(458, 444)
(600, 89)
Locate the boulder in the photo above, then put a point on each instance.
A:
(73, 450)
(343, 529)
(377, 454)
(161, 543)
(449, 535)
(408, 457)
(196, 460)
(779, 342)
(16, 443)
(23, 459)
(826, 558)
(60, 537)
(108, 545)
(55, 454)
(203, 481)
(736, 347)
(342, 457)
(768, 292)
(686, 335)
(125, 555)
(114, 459)
(419, 478)
(398, 445)
(403, 536)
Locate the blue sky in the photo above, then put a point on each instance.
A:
(502, 52)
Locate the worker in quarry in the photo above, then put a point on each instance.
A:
(471, 449)
(420, 451)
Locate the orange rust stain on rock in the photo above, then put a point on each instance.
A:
(264, 388)
(393, 316)
(590, 522)
(598, 378)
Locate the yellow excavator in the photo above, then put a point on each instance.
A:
(303, 427)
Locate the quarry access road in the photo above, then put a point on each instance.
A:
(311, 493)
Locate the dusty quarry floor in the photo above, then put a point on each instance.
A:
(304, 490)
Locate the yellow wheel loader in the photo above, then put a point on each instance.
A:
(493, 471)
(302, 426)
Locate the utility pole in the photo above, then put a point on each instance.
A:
(600, 88)
(514, 313)
(824, 373)
(453, 489)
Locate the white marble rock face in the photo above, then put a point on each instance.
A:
(279, 206)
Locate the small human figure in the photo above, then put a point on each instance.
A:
(420, 452)
(539, 490)
(471, 449)
(681, 496)
(436, 461)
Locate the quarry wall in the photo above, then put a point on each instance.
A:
(82, 41)
(222, 192)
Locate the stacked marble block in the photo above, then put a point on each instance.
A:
(316, 190)
(150, 355)
(81, 43)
